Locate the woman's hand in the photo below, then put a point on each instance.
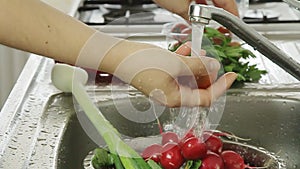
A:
(157, 72)
(181, 7)
(172, 79)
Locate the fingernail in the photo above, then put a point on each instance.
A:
(232, 75)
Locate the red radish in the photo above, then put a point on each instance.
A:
(235, 44)
(224, 31)
(188, 135)
(171, 157)
(187, 31)
(184, 49)
(232, 160)
(226, 134)
(212, 161)
(181, 37)
(152, 152)
(213, 143)
(193, 149)
(177, 28)
(169, 137)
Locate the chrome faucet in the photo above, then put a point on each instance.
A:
(203, 14)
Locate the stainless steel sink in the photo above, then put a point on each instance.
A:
(39, 127)
(270, 117)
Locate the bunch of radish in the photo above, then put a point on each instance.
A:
(175, 152)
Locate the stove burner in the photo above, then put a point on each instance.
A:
(123, 12)
(129, 14)
(145, 7)
(262, 13)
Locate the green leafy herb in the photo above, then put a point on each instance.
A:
(193, 164)
(102, 159)
(153, 164)
(231, 54)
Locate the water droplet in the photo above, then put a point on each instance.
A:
(41, 139)
(132, 94)
(12, 147)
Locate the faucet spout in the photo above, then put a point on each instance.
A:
(203, 14)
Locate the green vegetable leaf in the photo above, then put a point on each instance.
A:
(193, 164)
(219, 46)
(174, 46)
(117, 162)
(153, 164)
(230, 56)
(102, 158)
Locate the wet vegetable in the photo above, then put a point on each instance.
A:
(190, 152)
(233, 160)
(152, 152)
(194, 149)
(171, 157)
(102, 159)
(193, 164)
(218, 44)
(212, 161)
(213, 143)
(169, 137)
(153, 164)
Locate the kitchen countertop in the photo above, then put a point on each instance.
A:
(28, 97)
(31, 94)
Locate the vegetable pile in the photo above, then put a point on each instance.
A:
(191, 152)
(188, 152)
(218, 44)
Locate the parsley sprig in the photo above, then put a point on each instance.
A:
(231, 54)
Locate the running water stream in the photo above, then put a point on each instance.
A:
(197, 35)
(187, 118)
(199, 114)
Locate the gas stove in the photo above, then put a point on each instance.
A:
(271, 12)
(121, 12)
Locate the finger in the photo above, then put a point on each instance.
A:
(200, 66)
(204, 82)
(205, 97)
(197, 82)
(185, 49)
(218, 88)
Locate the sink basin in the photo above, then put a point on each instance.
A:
(40, 129)
(270, 117)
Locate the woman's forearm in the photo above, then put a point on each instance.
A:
(38, 28)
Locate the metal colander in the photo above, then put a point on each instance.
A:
(253, 156)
